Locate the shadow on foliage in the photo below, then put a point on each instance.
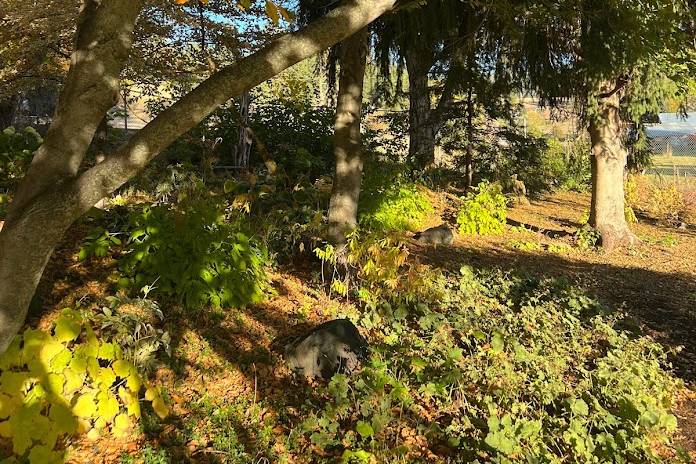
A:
(662, 304)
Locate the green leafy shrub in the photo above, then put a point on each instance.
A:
(524, 245)
(389, 201)
(98, 243)
(483, 211)
(191, 252)
(16, 151)
(69, 381)
(500, 369)
(377, 268)
(587, 237)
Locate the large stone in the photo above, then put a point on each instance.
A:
(334, 346)
(440, 235)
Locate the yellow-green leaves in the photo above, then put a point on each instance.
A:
(68, 326)
(154, 394)
(63, 382)
(85, 406)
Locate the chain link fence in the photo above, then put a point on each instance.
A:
(673, 155)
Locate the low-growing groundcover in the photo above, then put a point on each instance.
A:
(69, 381)
(502, 369)
(492, 368)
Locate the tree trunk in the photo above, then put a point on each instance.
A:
(608, 157)
(469, 157)
(343, 207)
(421, 133)
(55, 192)
(243, 148)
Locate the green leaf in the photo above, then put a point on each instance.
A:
(364, 429)
(68, 326)
(497, 343)
(579, 407)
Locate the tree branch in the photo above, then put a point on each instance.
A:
(103, 42)
(229, 82)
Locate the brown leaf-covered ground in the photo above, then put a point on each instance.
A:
(230, 355)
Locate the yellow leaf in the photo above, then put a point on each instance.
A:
(106, 377)
(8, 405)
(12, 356)
(85, 406)
(49, 350)
(73, 380)
(41, 454)
(272, 11)
(244, 4)
(122, 422)
(54, 383)
(68, 326)
(288, 16)
(5, 429)
(133, 382)
(78, 364)
(106, 351)
(13, 382)
(94, 433)
(107, 405)
(63, 418)
(123, 368)
(160, 408)
(60, 361)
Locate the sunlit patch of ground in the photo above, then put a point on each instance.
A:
(227, 386)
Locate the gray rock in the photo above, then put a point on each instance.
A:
(440, 235)
(334, 346)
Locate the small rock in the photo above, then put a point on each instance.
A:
(334, 346)
(440, 235)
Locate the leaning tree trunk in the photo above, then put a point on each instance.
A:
(421, 133)
(608, 157)
(343, 207)
(56, 191)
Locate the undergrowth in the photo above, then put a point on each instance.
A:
(497, 369)
(483, 211)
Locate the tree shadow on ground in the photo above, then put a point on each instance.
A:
(661, 304)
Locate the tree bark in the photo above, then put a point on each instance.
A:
(469, 157)
(421, 133)
(608, 156)
(53, 195)
(343, 207)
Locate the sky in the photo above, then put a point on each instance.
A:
(673, 124)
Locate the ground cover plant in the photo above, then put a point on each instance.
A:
(201, 199)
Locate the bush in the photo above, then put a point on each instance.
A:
(500, 370)
(191, 252)
(65, 382)
(16, 152)
(388, 201)
(670, 201)
(377, 269)
(483, 211)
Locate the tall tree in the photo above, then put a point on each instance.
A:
(348, 150)
(56, 191)
(418, 39)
